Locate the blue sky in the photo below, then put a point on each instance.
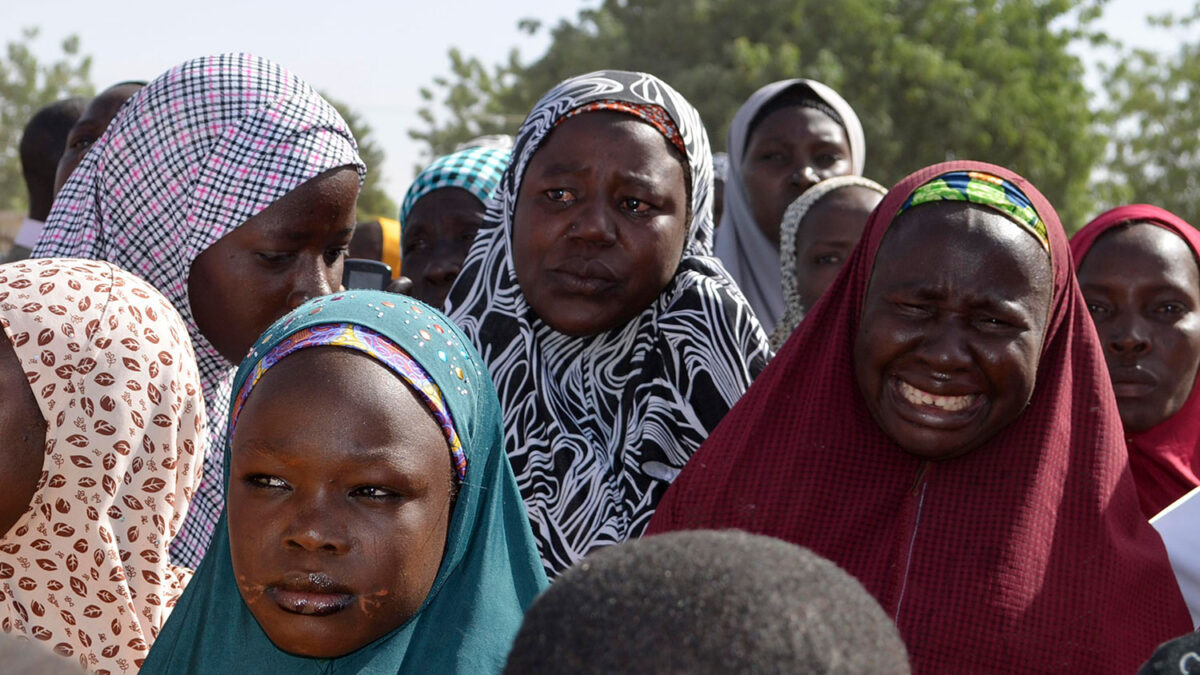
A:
(373, 54)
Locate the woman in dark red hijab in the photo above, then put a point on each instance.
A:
(942, 426)
(1137, 268)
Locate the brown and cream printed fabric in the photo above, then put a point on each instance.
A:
(84, 571)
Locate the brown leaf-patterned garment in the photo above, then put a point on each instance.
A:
(84, 571)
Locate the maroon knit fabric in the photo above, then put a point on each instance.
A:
(1029, 554)
(1165, 460)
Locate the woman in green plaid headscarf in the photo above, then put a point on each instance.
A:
(441, 213)
(319, 607)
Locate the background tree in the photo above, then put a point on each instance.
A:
(26, 86)
(373, 202)
(1153, 123)
(931, 79)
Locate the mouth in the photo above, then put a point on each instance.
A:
(585, 277)
(1132, 382)
(939, 411)
(311, 594)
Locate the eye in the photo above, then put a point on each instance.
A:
(827, 159)
(635, 205)
(774, 156)
(1171, 309)
(82, 142)
(992, 324)
(560, 196)
(914, 310)
(332, 255)
(274, 258)
(373, 492)
(828, 259)
(266, 482)
(1096, 308)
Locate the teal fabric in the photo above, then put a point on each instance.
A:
(490, 572)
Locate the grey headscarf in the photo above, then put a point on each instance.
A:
(751, 259)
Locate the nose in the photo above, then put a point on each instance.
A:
(945, 349)
(1127, 336)
(316, 529)
(443, 270)
(313, 278)
(593, 224)
(805, 176)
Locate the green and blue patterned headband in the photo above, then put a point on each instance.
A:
(476, 170)
(986, 190)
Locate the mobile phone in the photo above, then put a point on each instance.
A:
(364, 273)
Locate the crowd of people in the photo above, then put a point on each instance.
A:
(624, 405)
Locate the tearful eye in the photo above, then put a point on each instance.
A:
(560, 195)
(635, 205)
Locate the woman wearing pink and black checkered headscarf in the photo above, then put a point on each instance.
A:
(229, 184)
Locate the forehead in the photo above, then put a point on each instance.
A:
(956, 246)
(617, 137)
(1143, 249)
(444, 200)
(797, 123)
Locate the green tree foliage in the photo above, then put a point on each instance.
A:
(1153, 123)
(373, 202)
(931, 79)
(26, 86)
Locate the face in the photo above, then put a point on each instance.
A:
(600, 223)
(826, 236)
(789, 151)
(98, 114)
(290, 252)
(336, 530)
(367, 242)
(437, 236)
(1142, 287)
(23, 430)
(952, 328)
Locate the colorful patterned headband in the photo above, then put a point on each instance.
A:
(379, 348)
(476, 170)
(649, 113)
(986, 190)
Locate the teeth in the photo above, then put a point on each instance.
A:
(950, 403)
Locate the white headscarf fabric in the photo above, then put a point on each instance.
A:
(597, 427)
(192, 156)
(84, 571)
(750, 257)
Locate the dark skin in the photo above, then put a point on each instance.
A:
(789, 151)
(436, 238)
(826, 236)
(289, 252)
(337, 517)
(947, 356)
(96, 117)
(601, 219)
(24, 432)
(367, 242)
(1142, 287)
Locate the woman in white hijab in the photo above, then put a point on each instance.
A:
(788, 136)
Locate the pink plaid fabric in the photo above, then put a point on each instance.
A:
(190, 157)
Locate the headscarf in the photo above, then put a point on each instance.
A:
(84, 571)
(476, 170)
(788, 229)
(1165, 460)
(192, 156)
(596, 427)
(750, 257)
(1029, 553)
(490, 571)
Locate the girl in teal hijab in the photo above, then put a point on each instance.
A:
(329, 557)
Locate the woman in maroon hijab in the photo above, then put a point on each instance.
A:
(942, 426)
(1138, 272)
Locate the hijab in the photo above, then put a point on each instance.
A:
(190, 157)
(476, 170)
(1165, 460)
(84, 571)
(597, 427)
(490, 570)
(750, 257)
(788, 231)
(1029, 553)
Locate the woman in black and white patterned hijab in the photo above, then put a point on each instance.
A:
(616, 341)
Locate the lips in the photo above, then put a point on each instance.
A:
(310, 594)
(1132, 382)
(585, 276)
(940, 411)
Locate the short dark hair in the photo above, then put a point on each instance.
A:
(42, 145)
(706, 602)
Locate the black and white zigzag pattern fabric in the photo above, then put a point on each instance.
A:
(190, 157)
(597, 427)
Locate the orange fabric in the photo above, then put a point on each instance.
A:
(390, 231)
